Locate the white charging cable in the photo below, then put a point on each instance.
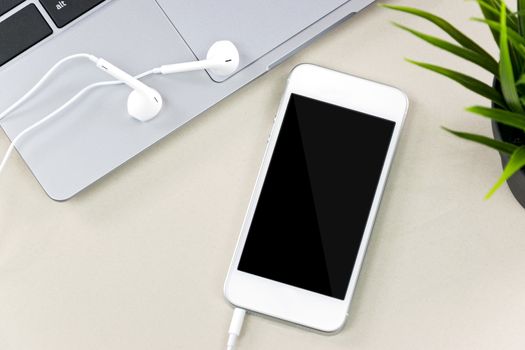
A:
(59, 109)
(235, 327)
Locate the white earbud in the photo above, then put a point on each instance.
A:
(222, 59)
(144, 102)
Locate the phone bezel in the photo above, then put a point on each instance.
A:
(287, 302)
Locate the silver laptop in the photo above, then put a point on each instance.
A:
(96, 135)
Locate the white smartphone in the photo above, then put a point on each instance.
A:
(311, 213)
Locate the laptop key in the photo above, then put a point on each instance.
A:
(64, 11)
(20, 31)
(6, 5)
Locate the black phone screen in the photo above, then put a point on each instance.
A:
(316, 197)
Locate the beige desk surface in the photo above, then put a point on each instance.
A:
(138, 260)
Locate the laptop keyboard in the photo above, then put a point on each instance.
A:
(26, 27)
(63, 12)
(21, 31)
(6, 5)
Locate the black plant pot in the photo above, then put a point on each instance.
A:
(515, 136)
(517, 181)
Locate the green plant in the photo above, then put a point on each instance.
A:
(508, 94)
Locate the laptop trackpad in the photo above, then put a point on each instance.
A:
(256, 27)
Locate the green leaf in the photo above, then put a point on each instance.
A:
(516, 50)
(516, 162)
(461, 38)
(500, 146)
(506, 70)
(513, 119)
(491, 11)
(497, 5)
(521, 80)
(486, 62)
(521, 17)
(472, 84)
(517, 41)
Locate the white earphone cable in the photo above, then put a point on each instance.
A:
(222, 57)
(56, 111)
(43, 80)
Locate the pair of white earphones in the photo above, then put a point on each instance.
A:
(144, 103)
